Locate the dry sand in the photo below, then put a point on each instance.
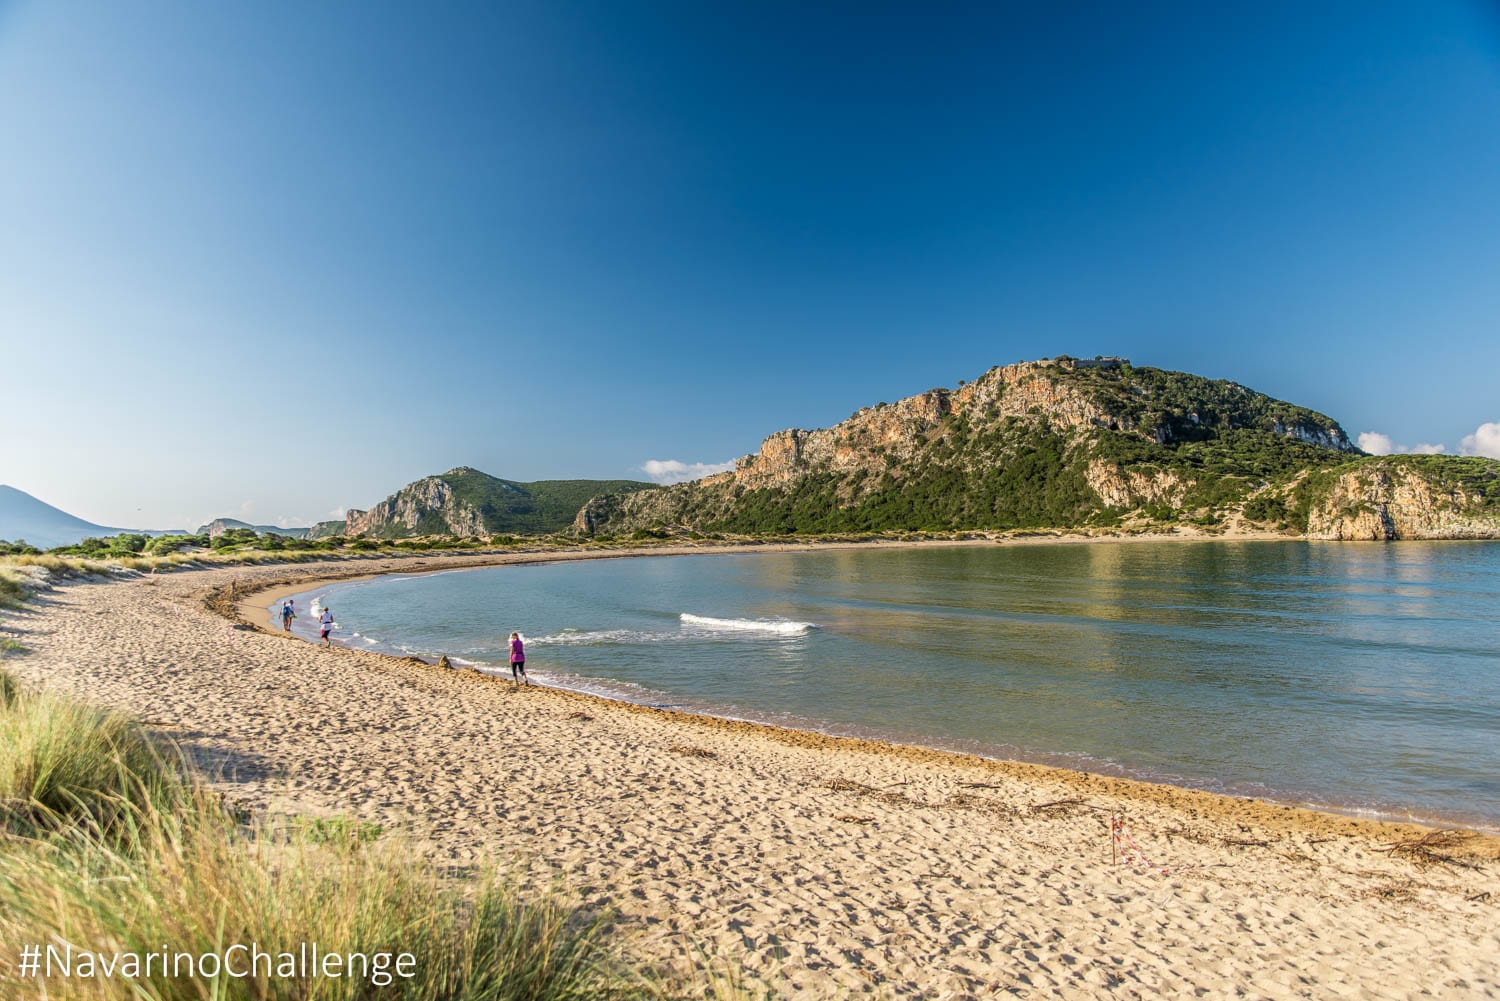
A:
(826, 866)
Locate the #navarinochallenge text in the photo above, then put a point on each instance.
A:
(239, 961)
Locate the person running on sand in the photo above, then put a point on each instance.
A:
(518, 660)
(287, 615)
(325, 625)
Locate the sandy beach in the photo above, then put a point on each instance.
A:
(826, 866)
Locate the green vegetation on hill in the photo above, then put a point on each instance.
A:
(1035, 486)
(537, 508)
(136, 544)
(1187, 407)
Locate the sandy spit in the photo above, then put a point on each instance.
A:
(827, 866)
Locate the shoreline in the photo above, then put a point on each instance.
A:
(478, 560)
(252, 609)
(822, 866)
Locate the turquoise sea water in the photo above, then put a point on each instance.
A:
(1360, 677)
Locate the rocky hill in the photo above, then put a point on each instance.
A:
(1070, 443)
(219, 526)
(467, 502)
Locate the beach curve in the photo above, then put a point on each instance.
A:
(826, 864)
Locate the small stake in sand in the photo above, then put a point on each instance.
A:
(1127, 851)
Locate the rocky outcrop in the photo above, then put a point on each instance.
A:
(423, 504)
(1312, 434)
(1393, 499)
(1121, 488)
(595, 514)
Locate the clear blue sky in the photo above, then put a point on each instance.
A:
(267, 260)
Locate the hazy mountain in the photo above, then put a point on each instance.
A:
(465, 501)
(1069, 443)
(22, 516)
(219, 526)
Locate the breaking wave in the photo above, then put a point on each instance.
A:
(691, 627)
(600, 637)
(777, 627)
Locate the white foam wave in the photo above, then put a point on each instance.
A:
(778, 627)
(691, 627)
(601, 637)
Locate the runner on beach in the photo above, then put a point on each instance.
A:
(518, 660)
(287, 615)
(325, 625)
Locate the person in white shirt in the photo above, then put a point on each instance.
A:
(325, 625)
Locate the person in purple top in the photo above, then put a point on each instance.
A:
(517, 660)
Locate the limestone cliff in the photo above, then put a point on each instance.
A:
(427, 504)
(1407, 497)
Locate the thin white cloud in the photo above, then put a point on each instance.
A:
(1484, 441)
(667, 471)
(1381, 444)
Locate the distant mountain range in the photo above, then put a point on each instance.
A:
(23, 517)
(1069, 443)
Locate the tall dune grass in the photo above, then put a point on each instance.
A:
(13, 588)
(109, 844)
(66, 765)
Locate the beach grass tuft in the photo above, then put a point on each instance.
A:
(65, 765)
(14, 586)
(10, 689)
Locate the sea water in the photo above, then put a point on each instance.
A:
(1361, 677)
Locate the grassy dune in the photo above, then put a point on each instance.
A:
(109, 842)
